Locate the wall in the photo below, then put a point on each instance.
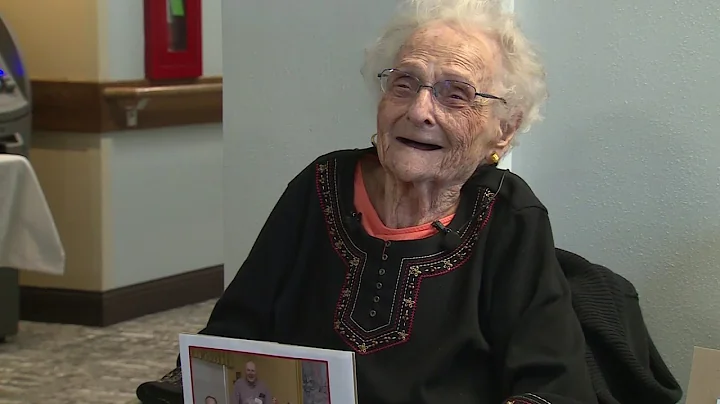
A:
(164, 202)
(627, 160)
(294, 95)
(65, 162)
(71, 25)
(67, 169)
(122, 43)
(150, 200)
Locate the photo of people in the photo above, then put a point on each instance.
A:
(250, 390)
(230, 377)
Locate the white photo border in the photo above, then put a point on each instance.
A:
(341, 364)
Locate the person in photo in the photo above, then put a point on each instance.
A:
(251, 390)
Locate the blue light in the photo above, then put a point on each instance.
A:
(2, 72)
(16, 65)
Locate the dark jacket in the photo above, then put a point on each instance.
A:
(625, 366)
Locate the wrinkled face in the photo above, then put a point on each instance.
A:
(250, 374)
(420, 139)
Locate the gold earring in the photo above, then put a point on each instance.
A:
(373, 138)
(495, 158)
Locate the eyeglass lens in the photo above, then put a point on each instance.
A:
(451, 93)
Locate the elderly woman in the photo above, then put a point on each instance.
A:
(437, 268)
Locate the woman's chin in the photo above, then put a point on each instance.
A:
(411, 170)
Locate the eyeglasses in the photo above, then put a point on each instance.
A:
(451, 93)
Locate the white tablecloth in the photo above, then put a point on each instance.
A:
(28, 237)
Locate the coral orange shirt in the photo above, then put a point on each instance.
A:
(374, 226)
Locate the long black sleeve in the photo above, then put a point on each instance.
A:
(540, 345)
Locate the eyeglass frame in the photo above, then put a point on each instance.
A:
(433, 90)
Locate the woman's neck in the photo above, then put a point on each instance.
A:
(402, 204)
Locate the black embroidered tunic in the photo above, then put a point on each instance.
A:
(480, 322)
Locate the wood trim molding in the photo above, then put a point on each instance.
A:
(101, 309)
(84, 107)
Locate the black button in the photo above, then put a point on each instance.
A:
(378, 285)
(381, 271)
(376, 299)
(384, 257)
(372, 313)
(387, 243)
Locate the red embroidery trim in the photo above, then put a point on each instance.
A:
(399, 329)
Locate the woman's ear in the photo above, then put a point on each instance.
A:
(508, 129)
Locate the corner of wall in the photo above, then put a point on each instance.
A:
(68, 169)
(106, 214)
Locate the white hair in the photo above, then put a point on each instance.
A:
(522, 77)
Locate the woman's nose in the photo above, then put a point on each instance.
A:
(422, 107)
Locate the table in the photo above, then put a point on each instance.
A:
(29, 239)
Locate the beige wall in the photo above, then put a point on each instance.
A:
(130, 206)
(58, 38)
(59, 41)
(67, 168)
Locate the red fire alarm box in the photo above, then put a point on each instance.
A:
(173, 39)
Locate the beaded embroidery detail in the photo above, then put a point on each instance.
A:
(413, 270)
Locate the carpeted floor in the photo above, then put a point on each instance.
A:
(66, 364)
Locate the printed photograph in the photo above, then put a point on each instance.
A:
(231, 377)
